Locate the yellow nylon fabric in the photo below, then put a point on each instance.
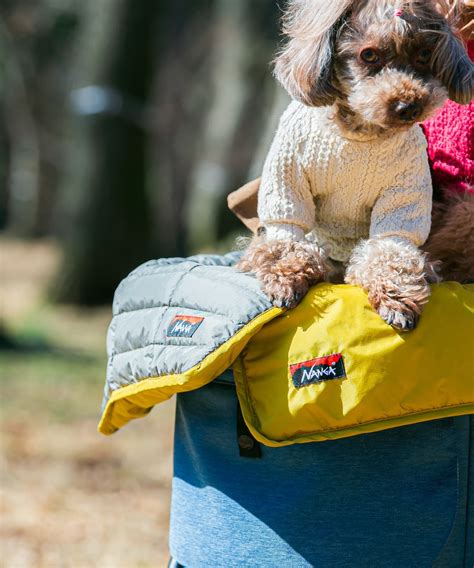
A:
(392, 378)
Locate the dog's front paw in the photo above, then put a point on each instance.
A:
(395, 274)
(285, 269)
(398, 315)
(284, 292)
(400, 307)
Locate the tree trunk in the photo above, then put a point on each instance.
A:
(181, 97)
(243, 92)
(110, 232)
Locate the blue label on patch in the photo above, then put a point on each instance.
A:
(184, 326)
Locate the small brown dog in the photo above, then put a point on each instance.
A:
(348, 163)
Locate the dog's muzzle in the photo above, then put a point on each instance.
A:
(407, 111)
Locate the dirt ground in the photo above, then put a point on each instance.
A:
(69, 496)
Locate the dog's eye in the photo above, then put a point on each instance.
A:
(423, 57)
(370, 56)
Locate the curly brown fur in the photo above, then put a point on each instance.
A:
(396, 276)
(419, 60)
(452, 237)
(286, 269)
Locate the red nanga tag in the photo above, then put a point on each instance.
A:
(318, 370)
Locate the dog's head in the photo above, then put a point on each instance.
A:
(390, 63)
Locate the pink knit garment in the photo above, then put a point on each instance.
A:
(450, 135)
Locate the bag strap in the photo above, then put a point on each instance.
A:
(248, 445)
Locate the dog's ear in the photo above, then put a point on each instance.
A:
(305, 64)
(451, 63)
(454, 69)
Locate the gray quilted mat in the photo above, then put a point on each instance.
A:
(169, 314)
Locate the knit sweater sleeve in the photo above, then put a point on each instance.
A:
(285, 202)
(404, 206)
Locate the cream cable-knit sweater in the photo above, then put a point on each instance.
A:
(343, 187)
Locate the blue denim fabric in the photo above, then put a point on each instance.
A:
(393, 499)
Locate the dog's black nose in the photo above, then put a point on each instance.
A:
(408, 112)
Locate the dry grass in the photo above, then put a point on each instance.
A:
(70, 497)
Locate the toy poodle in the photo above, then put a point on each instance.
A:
(346, 187)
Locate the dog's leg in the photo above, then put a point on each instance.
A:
(396, 276)
(285, 269)
(452, 237)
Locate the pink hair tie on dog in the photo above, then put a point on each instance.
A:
(398, 13)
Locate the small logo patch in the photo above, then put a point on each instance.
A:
(184, 326)
(318, 370)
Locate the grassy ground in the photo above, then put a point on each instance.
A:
(69, 496)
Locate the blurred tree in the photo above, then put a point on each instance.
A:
(181, 96)
(184, 93)
(109, 232)
(4, 166)
(243, 93)
(35, 38)
(261, 24)
(174, 108)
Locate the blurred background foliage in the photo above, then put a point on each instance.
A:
(125, 124)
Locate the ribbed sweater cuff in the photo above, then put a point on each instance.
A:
(284, 231)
